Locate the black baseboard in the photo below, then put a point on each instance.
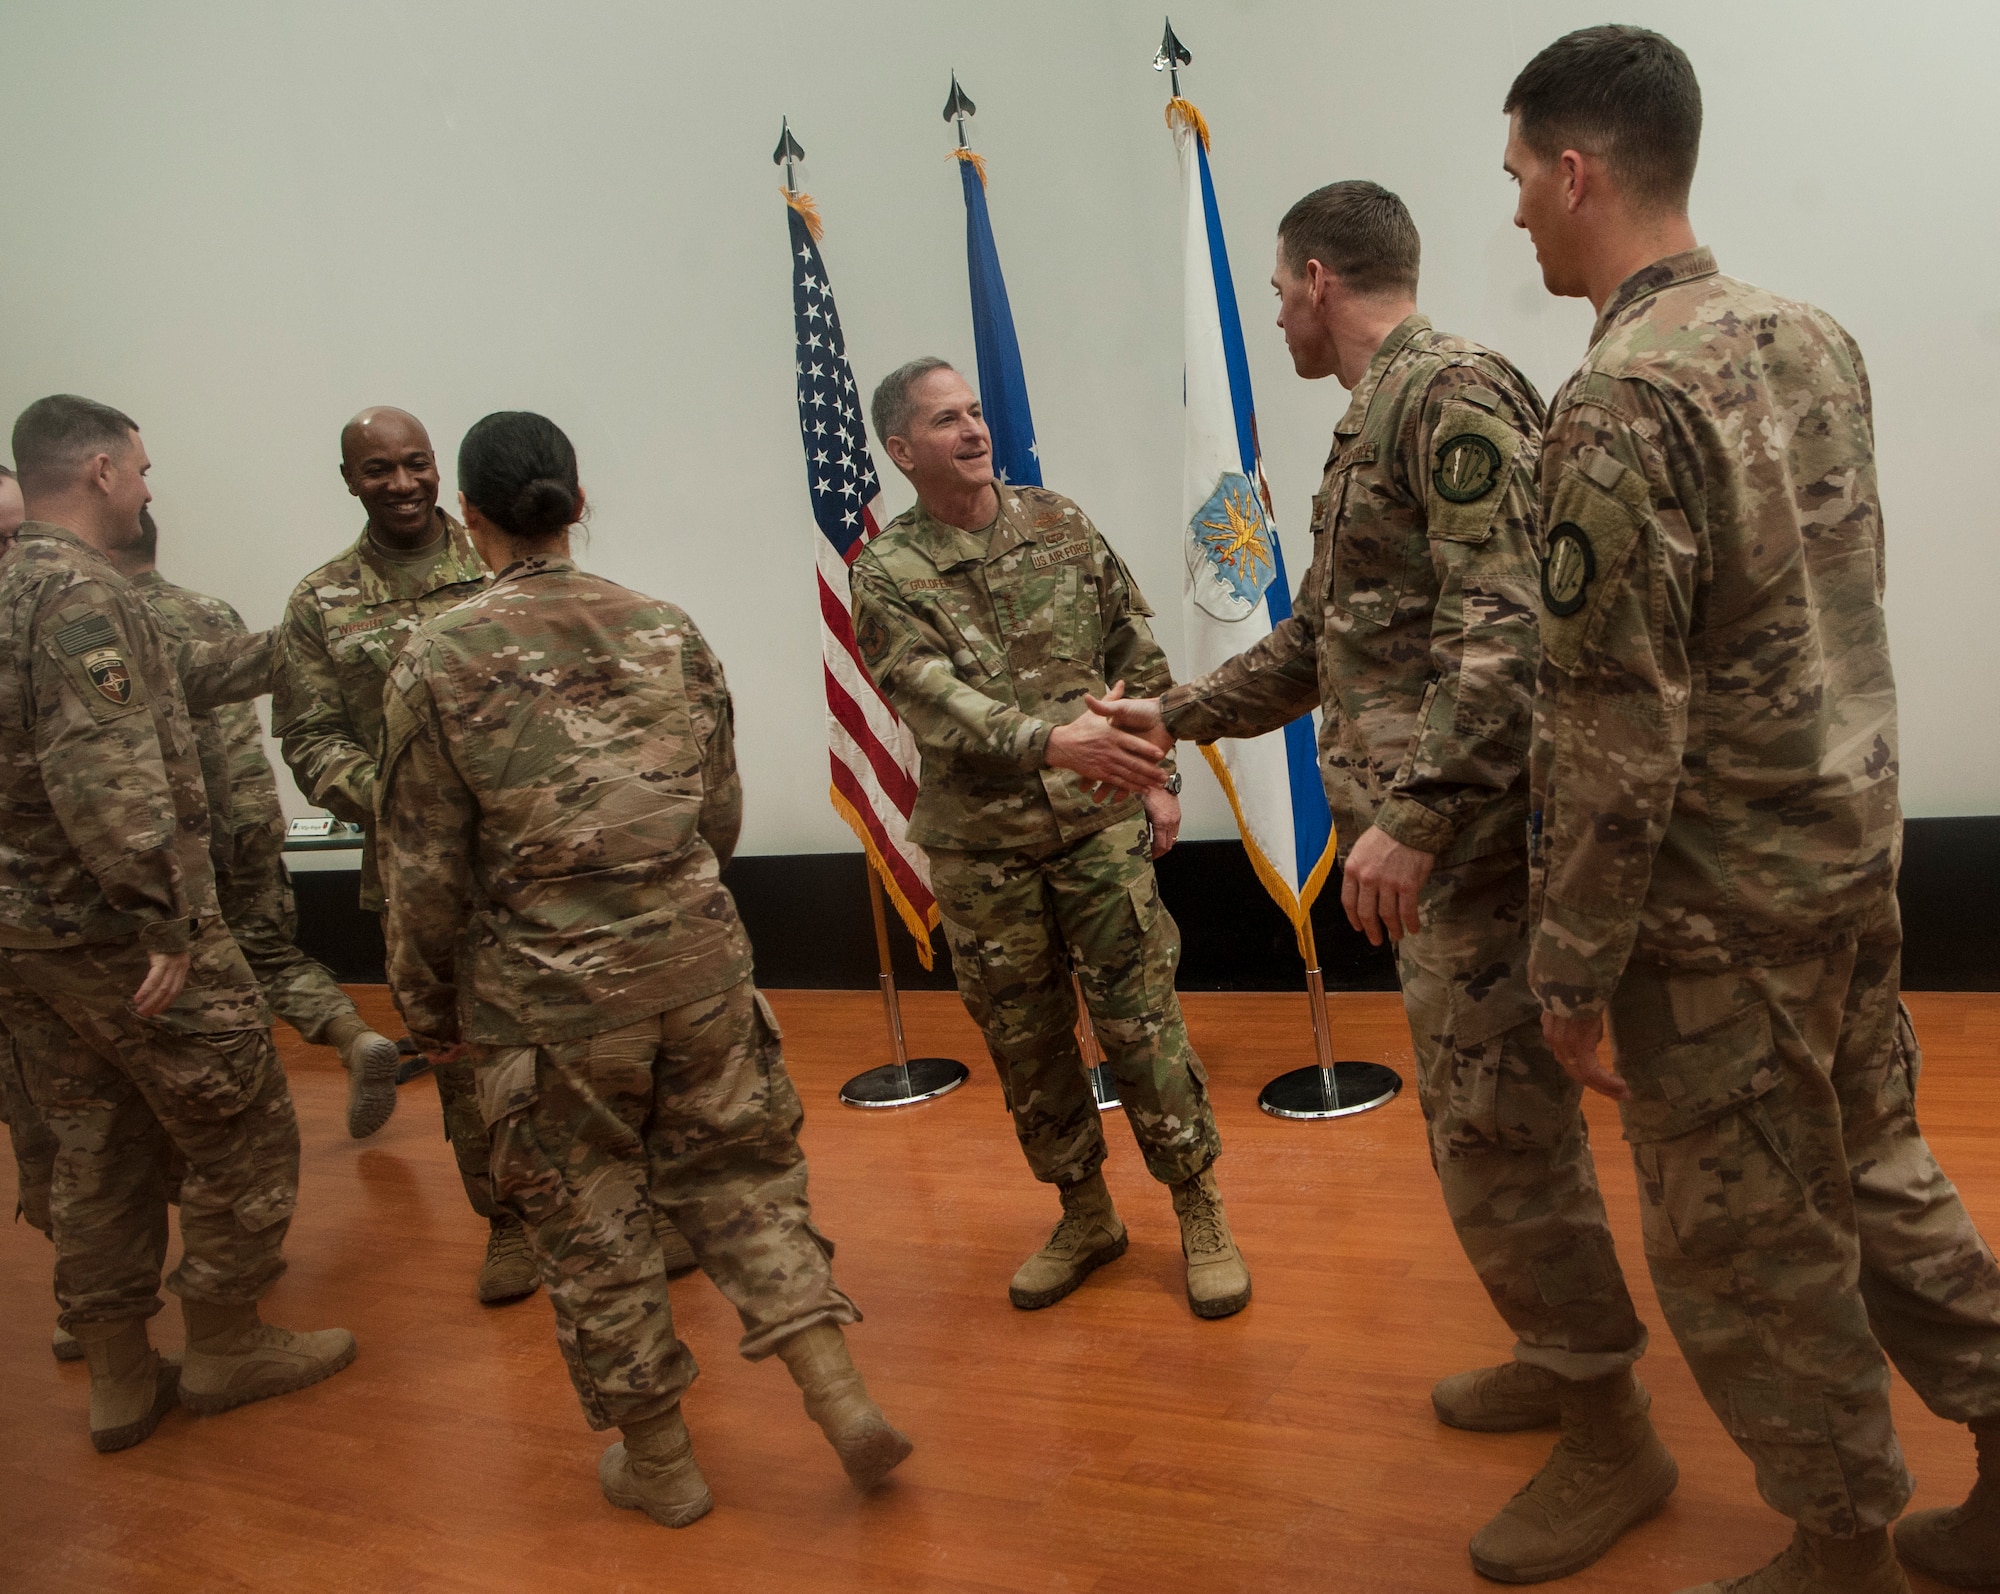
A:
(807, 914)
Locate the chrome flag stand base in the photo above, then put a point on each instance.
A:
(908, 1079)
(1328, 1089)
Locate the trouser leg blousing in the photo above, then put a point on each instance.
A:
(1017, 921)
(1088, 1235)
(687, 1116)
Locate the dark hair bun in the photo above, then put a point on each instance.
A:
(519, 471)
(543, 508)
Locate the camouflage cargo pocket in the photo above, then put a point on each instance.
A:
(211, 1077)
(525, 1178)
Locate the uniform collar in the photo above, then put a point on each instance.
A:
(1406, 331)
(523, 569)
(385, 581)
(1649, 280)
(947, 546)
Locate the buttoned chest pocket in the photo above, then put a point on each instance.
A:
(956, 618)
(1377, 545)
(1076, 628)
(364, 658)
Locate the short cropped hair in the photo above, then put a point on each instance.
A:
(891, 407)
(1622, 93)
(1360, 232)
(55, 435)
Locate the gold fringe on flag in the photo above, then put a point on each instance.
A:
(1186, 112)
(973, 159)
(808, 211)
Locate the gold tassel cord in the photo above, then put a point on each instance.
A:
(1184, 111)
(808, 211)
(973, 159)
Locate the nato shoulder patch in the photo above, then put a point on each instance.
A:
(1467, 469)
(80, 636)
(1568, 569)
(108, 673)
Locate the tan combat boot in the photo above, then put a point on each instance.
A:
(1961, 1546)
(653, 1471)
(1607, 1472)
(510, 1272)
(131, 1386)
(1088, 1236)
(838, 1401)
(1218, 1283)
(370, 1060)
(1510, 1398)
(234, 1357)
(674, 1249)
(66, 1347)
(1815, 1564)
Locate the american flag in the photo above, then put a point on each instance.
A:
(873, 756)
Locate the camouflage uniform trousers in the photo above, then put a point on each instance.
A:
(34, 1146)
(1507, 1134)
(257, 905)
(122, 1095)
(687, 1116)
(1797, 1225)
(1015, 921)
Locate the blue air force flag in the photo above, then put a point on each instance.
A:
(1236, 591)
(1003, 385)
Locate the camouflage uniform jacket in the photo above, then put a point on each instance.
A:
(987, 640)
(343, 627)
(106, 818)
(1414, 629)
(242, 787)
(559, 794)
(1714, 764)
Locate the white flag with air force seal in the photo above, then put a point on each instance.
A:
(1236, 590)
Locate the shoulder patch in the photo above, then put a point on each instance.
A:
(1467, 469)
(80, 636)
(1568, 569)
(110, 674)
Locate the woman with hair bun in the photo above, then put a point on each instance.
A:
(559, 794)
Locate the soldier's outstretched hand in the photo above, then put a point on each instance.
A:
(1111, 761)
(1139, 715)
(166, 973)
(1575, 1042)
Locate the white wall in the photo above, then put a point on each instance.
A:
(243, 221)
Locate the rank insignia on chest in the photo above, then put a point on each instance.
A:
(1568, 569)
(1468, 467)
(108, 673)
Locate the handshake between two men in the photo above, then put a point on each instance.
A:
(1118, 747)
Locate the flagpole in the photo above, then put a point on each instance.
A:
(1103, 1087)
(1325, 1088)
(904, 1080)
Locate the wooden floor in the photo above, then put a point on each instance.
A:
(1110, 1444)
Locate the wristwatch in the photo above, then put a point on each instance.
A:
(1173, 785)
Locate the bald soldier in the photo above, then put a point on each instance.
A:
(343, 628)
(142, 1035)
(246, 841)
(1717, 833)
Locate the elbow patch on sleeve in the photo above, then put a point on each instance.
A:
(1599, 508)
(1472, 462)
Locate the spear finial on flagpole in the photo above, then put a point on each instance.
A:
(788, 153)
(1172, 57)
(958, 108)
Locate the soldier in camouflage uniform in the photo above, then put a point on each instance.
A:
(1414, 633)
(1714, 781)
(247, 840)
(343, 627)
(555, 833)
(140, 1031)
(986, 613)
